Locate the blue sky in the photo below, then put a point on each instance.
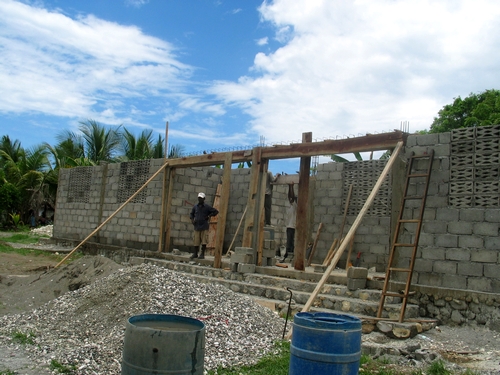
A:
(225, 74)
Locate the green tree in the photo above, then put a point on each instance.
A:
(176, 151)
(481, 109)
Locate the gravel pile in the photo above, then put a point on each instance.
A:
(85, 328)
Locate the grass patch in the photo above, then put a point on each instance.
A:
(8, 372)
(438, 368)
(272, 364)
(21, 238)
(24, 338)
(60, 368)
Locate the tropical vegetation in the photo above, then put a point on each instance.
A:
(28, 177)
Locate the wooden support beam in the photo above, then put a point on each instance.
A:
(302, 224)
(370, 142)
(259, 237)
(224, 204)
(352, 230)
(164, 188)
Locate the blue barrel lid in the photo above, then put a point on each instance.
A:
(326, 320)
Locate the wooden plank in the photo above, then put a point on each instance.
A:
(236, 233)
(302, 224)
(252, 192)
(224, 204)
(330, 251)
(315, 243)
(352, 230)
(113, 214)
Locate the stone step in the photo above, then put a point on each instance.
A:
(332, 297)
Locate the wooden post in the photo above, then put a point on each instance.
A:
(113, 214)
(161, 238)
(224, 204)
(352, 230)
(302, 203)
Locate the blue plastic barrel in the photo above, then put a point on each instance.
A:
(325, 343)
(163, 344)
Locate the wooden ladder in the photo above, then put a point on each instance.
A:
(411, 225)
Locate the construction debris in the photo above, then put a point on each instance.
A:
(84, 329)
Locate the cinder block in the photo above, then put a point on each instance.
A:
(353, 284)
(246, 268)
(268, 253)
(357, 273)
(234, 267)
(268, 233)
(269, 244)
(244, 250)
(242, 258)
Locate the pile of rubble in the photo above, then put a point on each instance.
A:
(45, 230)
(85, 328)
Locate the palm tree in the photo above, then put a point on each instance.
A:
(27, 171)
(11, 149)
(99, 144)
(176, 151)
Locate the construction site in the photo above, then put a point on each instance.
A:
(407, 244)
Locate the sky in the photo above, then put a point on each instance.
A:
(231, 74)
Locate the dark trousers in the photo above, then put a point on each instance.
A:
(290, 241)
(268, 199)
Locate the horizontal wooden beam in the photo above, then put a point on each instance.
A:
(370, 142)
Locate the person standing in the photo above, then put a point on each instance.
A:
(291, 215)
(268, 198)
(200, 216)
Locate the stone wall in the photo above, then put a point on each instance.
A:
(459, 246)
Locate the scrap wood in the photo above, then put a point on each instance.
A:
(311, 254)
(330, 252)
(229, 252)
(282, 265)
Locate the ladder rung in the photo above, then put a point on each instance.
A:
(404, 245)
(409, 221)
(400, 269)
(392, 294)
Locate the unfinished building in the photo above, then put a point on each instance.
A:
(144, 205)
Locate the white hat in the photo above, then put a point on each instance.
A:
(201, 195)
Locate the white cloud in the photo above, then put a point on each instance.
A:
(262, 41)
(364, 66)
(57, 65)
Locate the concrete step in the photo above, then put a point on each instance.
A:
(332, 297)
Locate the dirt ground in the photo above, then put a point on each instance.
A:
(27, 282)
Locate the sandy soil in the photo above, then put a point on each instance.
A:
(27, 282)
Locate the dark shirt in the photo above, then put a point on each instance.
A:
(201, 213)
